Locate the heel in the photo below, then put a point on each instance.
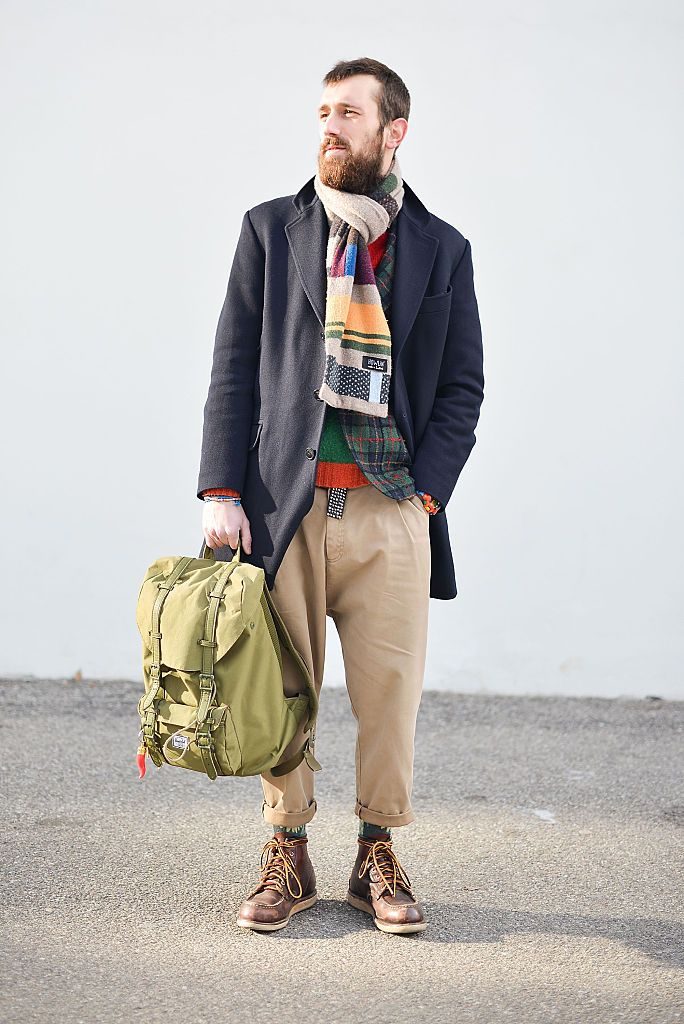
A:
(359, 903)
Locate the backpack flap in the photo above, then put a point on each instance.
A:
(184, 612)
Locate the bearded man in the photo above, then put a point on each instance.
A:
(346, 386)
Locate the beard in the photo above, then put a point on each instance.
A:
(353, 172)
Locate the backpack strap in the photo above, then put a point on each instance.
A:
(145, 705)
(306, 753)
(203, 735)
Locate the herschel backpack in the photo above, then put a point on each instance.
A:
(213, 649)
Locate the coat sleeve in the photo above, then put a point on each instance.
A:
(229, 404)
(449, 436)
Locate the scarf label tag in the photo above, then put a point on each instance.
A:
(374, 363)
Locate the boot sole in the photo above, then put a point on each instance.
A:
(265, 926)
(384, 926)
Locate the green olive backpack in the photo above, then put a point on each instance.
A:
(213, 648)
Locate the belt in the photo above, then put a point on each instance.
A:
(336, 499)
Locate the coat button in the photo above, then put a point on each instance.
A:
(311, 453)
(323, 335)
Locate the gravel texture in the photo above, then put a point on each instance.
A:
(547, 851)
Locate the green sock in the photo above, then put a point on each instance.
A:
(369, 831)
(298, 832)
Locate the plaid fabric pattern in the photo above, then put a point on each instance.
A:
(376, 442)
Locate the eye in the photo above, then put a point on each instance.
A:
(324, 113)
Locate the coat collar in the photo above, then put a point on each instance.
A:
(307, 235)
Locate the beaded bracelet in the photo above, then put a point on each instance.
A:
(222, 497)
(431, 505)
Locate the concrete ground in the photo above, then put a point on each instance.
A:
(547, 851)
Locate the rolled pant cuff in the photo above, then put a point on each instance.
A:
(288, 818)
(378, 818)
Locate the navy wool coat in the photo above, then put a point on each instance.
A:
(263, 418)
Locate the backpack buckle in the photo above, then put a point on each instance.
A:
(204, 741)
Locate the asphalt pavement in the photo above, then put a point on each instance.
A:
(547, 851)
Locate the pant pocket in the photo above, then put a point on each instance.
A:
(417, 502)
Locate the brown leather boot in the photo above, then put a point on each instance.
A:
(287, 884)
(380, 886)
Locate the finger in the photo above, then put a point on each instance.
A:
(227, 538)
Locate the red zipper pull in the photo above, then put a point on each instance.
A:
(142, 765)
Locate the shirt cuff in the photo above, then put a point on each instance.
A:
(431, 505)
(224, 491)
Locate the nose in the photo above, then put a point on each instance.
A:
(329, 125)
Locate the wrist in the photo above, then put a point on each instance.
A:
(221, 494)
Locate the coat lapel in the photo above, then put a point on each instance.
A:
(415, 256)
(307, 235)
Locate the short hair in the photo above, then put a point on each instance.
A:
(393, 97)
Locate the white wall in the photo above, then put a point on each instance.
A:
(134, 137)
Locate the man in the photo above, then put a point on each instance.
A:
(346, 386)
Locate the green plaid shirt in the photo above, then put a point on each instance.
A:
(376, 442)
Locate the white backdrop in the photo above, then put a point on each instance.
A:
(135, 135)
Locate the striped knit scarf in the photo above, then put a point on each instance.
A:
(358, 345)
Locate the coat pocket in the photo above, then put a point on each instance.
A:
(436, 303)
(254, 434)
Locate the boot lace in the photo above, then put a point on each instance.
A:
(385, 860)
(278, 870)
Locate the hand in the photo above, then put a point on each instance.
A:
(222, 522)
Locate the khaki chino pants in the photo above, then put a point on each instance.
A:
(370, 572)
